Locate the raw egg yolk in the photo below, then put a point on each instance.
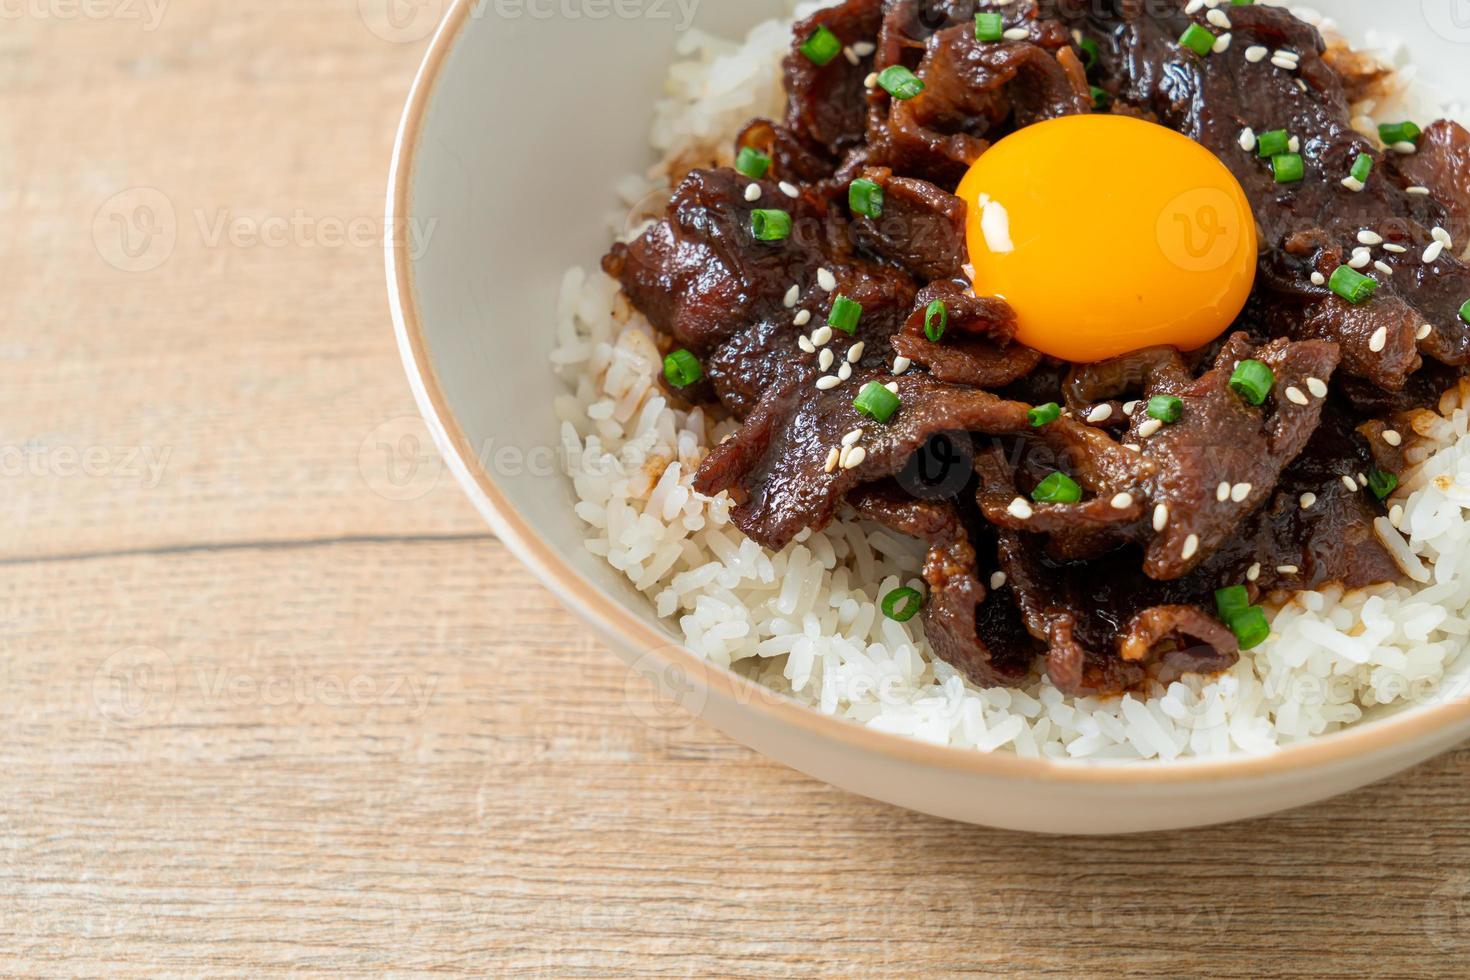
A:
(1107, 234)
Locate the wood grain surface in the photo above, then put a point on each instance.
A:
(274, 704)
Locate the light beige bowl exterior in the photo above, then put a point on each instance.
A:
(505, 164)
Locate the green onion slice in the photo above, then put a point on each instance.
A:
(1352, 285)
(936, 320)
(845, 314)
(1059, 488)
(752, 163)
(865, 197)
(1252, 381)
(1288, 167)
(1271, 144)
(769, 225)
(1362, 167)
(876, 402)
(1232, 601)
(989, 27)
(821, 47)
(901, 605)
(682, 369)
(1465, 311)
(1404, 132)
(1044, 414)
(899, 82)
(1100, 98)
(1382, 484)
(1250, 627)
(1165, 408)
(1198, 40)
(1090, 52)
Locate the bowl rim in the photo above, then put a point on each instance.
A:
(583, 598)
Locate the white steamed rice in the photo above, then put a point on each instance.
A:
(806, 623)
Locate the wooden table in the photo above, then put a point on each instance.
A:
(273, 699)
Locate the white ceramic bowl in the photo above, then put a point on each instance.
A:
(515, 132)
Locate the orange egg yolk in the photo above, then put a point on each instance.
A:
(1108, 234)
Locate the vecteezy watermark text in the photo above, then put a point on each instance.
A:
(147, 12)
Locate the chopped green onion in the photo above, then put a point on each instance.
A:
(1465, 311)
(1252, 381)
(1100, 99)
(845, 314)
(1059, 488)
(1288, 168)
(752, 163)
(1250, 627)
(865, 198)
(1241, 3)
(1044, 414)
(899, 82)
(1404, 132)
(989, 27)
(821, 47)
(1352, 285)
(936, 319)
(682, 369)
(1165, 408)
(1362, 167)
(1271, 144)
(1232, 601)
(1382, 484)
(876, 402)
(901, 605)
(770, 226)
(1198, 40)
(1090, 52)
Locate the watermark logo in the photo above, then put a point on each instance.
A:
(1200, 230)
(135, 686)
(1450, 19)
(662, 693)
(136, 230)
(402, 21)
(398, 460)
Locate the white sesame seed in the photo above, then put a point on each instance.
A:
(1240, 492)
(1133, 446)
(1379, 340)
(1362, 480)
(892, 386)
(1396, 515)
(1218, 18)
(1353, 184)
(825, 359)
(1191, 547)
(997, 581)
(1350, 483)
(1294, 394)
(827, 382)
(1129, 408)
(901, 364)
(1253, 573)
(1100, 414)
(855, 457)
(1394, 248)
(1222, 492)
(1222, 43)
(871, 81)
(1194, 6)
(844, 372)
(1361, 258)
(821, 335)
(853, 438)
(1016, 34)
(1256, 53)
(790, 190)
(1301, 85)
(1406, 148)
(1317, 387)
(802, 318)
(1294, 144)
(833, 458)
(855, 352)
(1423, 332)
(793, 295)
(851, 55)
(1417, 189)
(1442, 236)
(1248, 139)
(1020, 510)
(753, 192)
(1287, 569)
(826, 280)
(805, 343)
(1161, 517)
(1308, 501)
(1392, 437)
(1366, 237)
(1383, 267)
(864, 48)
(1146, 429)
(1288, 54)
(1285, 64)
(1122, 501)
(1433, 252)
(1318, 279)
